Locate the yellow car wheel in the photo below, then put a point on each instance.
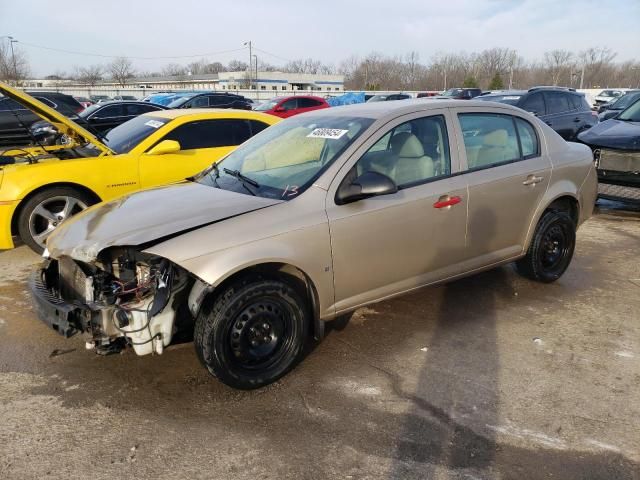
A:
(47, 210)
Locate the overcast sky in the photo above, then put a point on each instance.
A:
(329, 30)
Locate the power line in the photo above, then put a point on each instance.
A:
(272, 54)
(71, 52)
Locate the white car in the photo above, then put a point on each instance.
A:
(609, 95)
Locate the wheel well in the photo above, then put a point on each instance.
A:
(289, 274)
(75, 186)
(566, 204)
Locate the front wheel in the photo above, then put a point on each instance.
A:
(551, 248)
(253, 333)
(46, 211)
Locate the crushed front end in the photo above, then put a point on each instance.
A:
(125, 297)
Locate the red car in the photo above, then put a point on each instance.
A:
(285, 107)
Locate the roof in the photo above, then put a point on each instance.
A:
(394, 108)
(212, 113)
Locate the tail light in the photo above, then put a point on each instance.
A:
(79, 108)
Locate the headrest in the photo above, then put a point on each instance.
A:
(406, 144)
(497, 138)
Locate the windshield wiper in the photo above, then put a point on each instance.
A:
(243, 179)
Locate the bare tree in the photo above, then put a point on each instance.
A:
(237, 66)
(14, 66)
(89, 75)
(597, 65)
(173, 70)
(558, 63)
(121, 70)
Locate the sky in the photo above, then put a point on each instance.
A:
(329, 30)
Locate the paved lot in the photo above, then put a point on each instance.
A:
(488, 377)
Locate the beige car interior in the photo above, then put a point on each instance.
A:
(497, 146)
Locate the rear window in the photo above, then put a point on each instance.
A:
(125, 137)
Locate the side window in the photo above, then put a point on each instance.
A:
(47, 102)
(198, 102)
(411, 153)
(489, 139)
(257, 127)
(307, 103)
(210, 134)
(528, 138)
(219, 100)
(8, 105)
(109, 112)
(290, 104)
(133, 109)
(534, 103)
(557, 102)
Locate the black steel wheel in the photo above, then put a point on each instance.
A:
(551, 248)
(253, 333)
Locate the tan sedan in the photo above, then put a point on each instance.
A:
(311, 219)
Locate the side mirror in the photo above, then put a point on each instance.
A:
(164, 147)
(279, 109)
(369, 184)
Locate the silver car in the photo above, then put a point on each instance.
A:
(311, 219)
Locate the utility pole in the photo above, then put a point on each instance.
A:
(256, 58)
(13, 59)
(510, 77)
(250, 61)
(582, 77)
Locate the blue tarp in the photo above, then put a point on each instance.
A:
(346, 99)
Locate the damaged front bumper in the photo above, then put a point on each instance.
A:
(618, 174)
(129, 299)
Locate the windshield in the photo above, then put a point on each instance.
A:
(609, 93)
(285, 159)
(89, 110)
(125, 137)
(268, 105)
(178, 102)
(631, 114)
(452, 92)
(378, 98)
(509, 99)
(624, 101)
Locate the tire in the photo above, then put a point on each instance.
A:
(551, 248)
(46, 210)
(253, 333)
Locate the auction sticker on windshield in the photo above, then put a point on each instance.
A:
(154, 123)
(333, 133)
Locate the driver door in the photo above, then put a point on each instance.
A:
(202, 143)
(387, 244)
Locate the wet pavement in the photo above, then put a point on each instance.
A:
(488, 377)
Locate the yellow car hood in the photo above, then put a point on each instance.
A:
(63, 124)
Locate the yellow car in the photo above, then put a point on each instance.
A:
(42, 186)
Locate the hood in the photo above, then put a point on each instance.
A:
(148, 217)
(62, 123)
(613, 133)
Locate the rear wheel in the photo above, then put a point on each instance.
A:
(551, 248)
(46, 211)
(253, 333)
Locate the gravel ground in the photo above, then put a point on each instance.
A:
(488, 377)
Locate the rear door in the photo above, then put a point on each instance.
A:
(392, 243)
(202, 142)
(560, 116)
(308, 104)
(507, 173)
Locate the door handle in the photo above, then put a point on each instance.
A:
(548, 123)
(446, 201)
(576, 120)
(532, 180)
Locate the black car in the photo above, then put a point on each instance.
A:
(98, 118)
(563, 109)
(611, 109)
(212, 100)
(462, 93)
(616, 150)
(16, 120)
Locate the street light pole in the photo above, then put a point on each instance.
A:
(250, 60)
